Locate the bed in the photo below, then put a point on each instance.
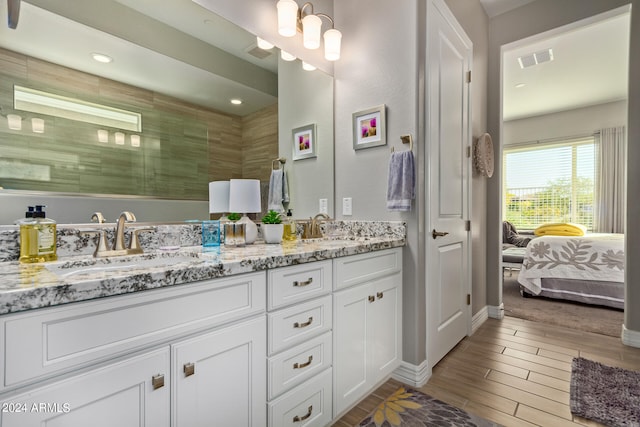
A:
(588, 269)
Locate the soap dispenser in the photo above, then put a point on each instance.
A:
(38, 237)
(290, 231)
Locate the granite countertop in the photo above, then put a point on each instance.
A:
(83, 277)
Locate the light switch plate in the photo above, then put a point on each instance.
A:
(323, 206)
(347, 206)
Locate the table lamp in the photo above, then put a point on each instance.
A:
(244, 197)
(219, 198)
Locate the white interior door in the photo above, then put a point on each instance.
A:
(449, 53)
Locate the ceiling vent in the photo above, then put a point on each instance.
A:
(256, 52)
(532, 59)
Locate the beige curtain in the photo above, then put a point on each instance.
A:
(610, 187)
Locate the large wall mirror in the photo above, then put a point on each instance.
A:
(178, 67)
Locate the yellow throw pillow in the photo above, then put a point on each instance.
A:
(560, 229)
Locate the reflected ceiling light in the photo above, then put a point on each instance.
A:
(37, 125)
(101, 57)
(135, 140)
(14, 122)
(287, 56)
(103, 135)
(236, 101)
(119, 138)
(292, 19)
(263, 44)
(307, 67)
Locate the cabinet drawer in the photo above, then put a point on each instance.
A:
(293, 325)
(306, 405)
(46, 341)
(361, 268)
(293, 366)
(288, 285)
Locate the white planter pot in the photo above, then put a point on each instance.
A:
(272, 233)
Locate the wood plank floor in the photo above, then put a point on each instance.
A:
(514, 372)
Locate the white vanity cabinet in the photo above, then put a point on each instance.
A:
(194, 352)
(367, 333)
(300, 321)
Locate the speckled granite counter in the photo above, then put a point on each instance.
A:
(81, 277)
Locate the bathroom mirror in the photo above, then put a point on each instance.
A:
(166, 68)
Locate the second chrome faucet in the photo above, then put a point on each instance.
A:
(119, 247)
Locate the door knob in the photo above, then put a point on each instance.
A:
(436, 234)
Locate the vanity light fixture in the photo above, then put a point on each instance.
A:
(101, 57)
(37, 125)
(103, 135)
(119, 138)
(135, 140)
(292, 19)
(286, 56)
(263, 44)
(14, 122)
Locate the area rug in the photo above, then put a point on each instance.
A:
(582, 317)
(411, 408)
(605, 394)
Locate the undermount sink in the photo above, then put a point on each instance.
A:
(125, 264)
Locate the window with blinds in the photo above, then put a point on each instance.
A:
(549, 182)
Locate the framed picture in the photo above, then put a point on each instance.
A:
(304, 142)
(369, 128)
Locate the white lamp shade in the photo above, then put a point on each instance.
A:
(14, 122)
(287, 17)
(286, 56)
(244, 195)
(37, 125)
(218, 196)
(332, 39)
(311, 25)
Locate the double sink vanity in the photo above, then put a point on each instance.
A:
(261, 335)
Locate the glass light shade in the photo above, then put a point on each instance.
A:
(311, 25)
(332, 39)
(37, 125)
(14, 122)
(135, 140)
(119, 138)
(103, 135)
(244, 195)
(307, 67)
(219, 196)
(263, 44)
(287, 17)
(286, 56)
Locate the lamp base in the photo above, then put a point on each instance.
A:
(251, 229)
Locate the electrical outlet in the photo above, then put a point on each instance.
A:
(347, 206)
(323, 206)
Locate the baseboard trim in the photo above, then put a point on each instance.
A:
(496, 312)
(414, 375)
(630, 337)
(479, 318)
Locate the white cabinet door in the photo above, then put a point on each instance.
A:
(367, 337)
(121, 394)
(220, 377)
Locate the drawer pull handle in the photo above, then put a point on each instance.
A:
(380, 295)
(372, 298)
(189, 369)
(157, 381)
(297, 418)
(305, 283)
(303, 365)
(303, 325)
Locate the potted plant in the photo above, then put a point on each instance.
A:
(233, 216)
(272, 227)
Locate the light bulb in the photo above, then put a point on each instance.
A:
(311, 25)
(263, 44)
(332, 39)
(287, 17)
(37, 125)
(307, 67)
(119, 138)
(286, 56)
(14, 122)
(103, 135)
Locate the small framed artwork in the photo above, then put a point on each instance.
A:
(369, 128)
(304, 142)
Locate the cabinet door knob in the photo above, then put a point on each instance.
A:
(298, 418)
(305, 283)
(372, 298)
(189, 369)
(157, 381)
(303, 365)
(379, 295)
(303, 325)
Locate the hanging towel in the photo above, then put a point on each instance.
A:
(278, 190)
(402, 181)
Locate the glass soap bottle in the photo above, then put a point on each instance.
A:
(38, 237)
(290, 232)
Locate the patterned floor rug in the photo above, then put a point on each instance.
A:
(411, 408)
(605, 394)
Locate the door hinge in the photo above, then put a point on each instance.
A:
(468, 151)
(467, 225)
(469, 76)
(468, 299)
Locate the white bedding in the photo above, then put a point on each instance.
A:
(593, 257)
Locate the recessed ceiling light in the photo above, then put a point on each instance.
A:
(519, 85)
(101, 57)
(236, 101)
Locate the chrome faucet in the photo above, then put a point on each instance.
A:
(312, 228)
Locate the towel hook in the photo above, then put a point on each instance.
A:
(275, 162)
(406, 139)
